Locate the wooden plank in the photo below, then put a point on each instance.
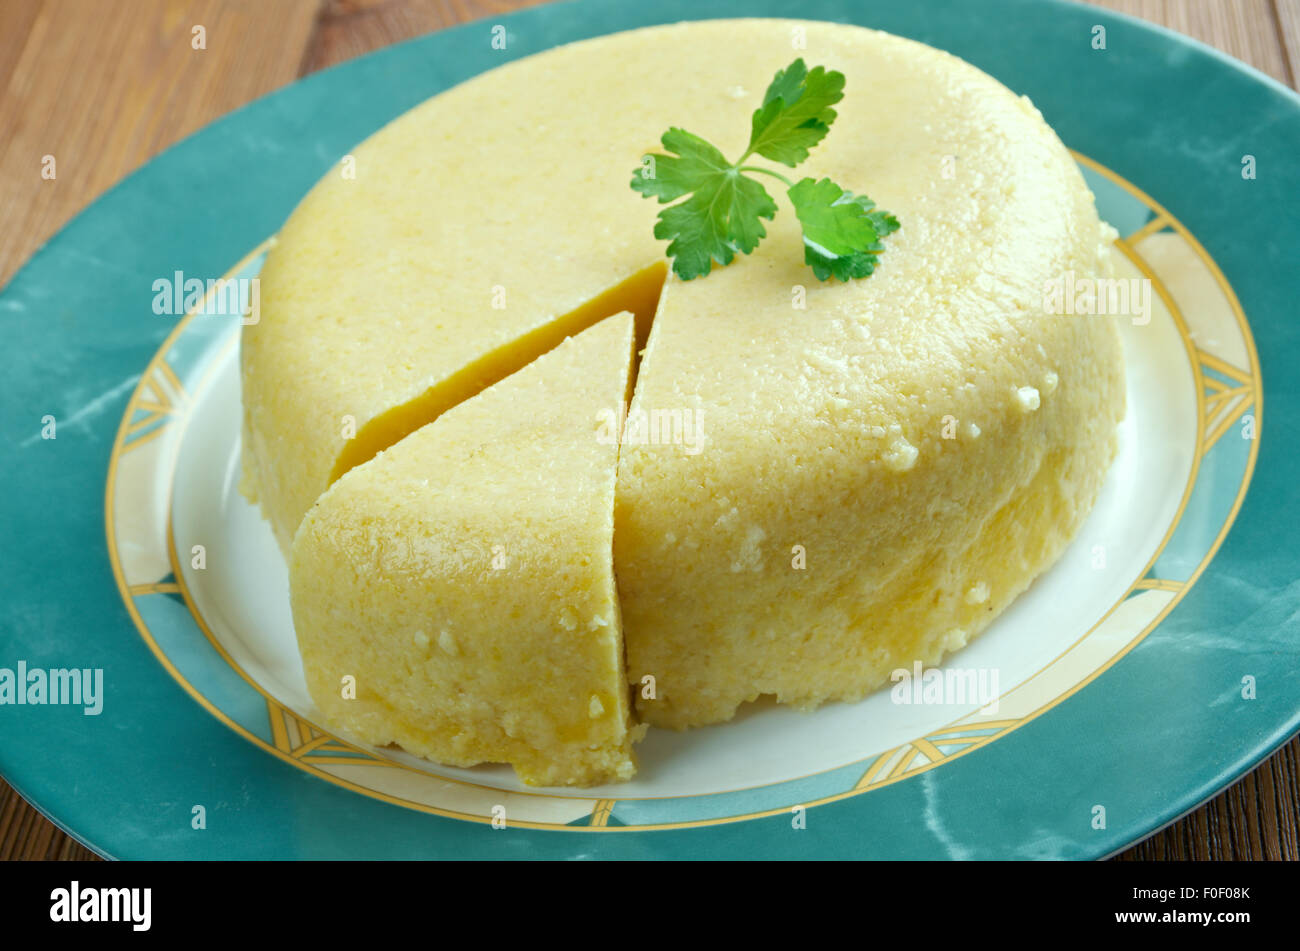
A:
(1287, 14)
(17, 20)
(350, 28)
(1246, 29)
(103, 86)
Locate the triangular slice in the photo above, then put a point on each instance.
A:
(464, 580)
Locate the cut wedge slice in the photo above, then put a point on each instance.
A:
(455, 595)
(638, 294)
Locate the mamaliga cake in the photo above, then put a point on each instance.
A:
(822, 477)
(464, 579)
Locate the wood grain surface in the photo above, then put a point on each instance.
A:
(103, 85)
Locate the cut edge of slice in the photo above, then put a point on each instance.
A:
(640, 294)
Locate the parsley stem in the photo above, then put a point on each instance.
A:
(765, 171)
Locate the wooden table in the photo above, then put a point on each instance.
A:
(103, 85)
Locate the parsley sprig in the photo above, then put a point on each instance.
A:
(725, 211)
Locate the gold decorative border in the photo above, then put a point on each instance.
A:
(305, 745)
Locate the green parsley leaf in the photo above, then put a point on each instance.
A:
(668, 177)
(841, 231)
(796, 113)
(725, 211)
(721, 217)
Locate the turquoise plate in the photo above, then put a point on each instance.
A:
(1153, 666)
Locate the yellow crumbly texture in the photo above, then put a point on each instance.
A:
(825, 426)
(480, 229)
(827, 532)
(464, 579)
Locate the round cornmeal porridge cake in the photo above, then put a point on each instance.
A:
(817, 483)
